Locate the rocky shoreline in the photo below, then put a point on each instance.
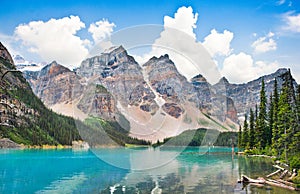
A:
(6, 143)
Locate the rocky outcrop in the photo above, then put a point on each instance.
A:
(7, 143)
(4, 54)
(97, 101)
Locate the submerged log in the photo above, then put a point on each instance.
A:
(276, 166)
(273, 173)
(278, 184)
(293, 175)
(246, 179)
(283, 174)
(261, 182)
(286, 182)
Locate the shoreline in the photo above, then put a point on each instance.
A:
(283, 176)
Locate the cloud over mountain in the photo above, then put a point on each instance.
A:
(218, 43)
(101, 29)
(55, 39)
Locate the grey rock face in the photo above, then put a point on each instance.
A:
(122, 76)
(54, 83)
(4, 54)
(246, 96)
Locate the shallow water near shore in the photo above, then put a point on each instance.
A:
(79, 171)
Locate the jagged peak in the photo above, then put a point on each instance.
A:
(53, 63)
(282, 70)
(223, 80)
(114, 49)
(198, 78)
(164, 57)
(53, 68)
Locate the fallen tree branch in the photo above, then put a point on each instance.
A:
(246, 179)
(283, 174)
(276, 166)
(278, 184)
(261, 182)
(286, 182)
(273, 173)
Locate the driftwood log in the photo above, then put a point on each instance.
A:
(293, 175)
(246, 179)
(273, 173)
(279, 184)
(283, 174)
(276, 166)
(261, 181)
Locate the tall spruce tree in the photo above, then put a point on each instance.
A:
(284, 118)
(270, 121)
(262, 118)
(274, 126)
(256, 134)
(240, 137)
(251, 129)
(287, 118)
(245, 134)
(298, 103)
(295, 144)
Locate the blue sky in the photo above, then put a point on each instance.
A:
(255, 37)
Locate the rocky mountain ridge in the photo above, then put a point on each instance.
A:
(247, 95)
(153, 98)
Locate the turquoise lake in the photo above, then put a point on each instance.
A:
(124, 170)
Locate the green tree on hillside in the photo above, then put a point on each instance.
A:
(251, 129)
(240, 137)
(274, 125)
(261, 127)
(245, 134)
(270, 121)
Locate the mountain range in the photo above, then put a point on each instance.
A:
(152, 100)
(25, 119)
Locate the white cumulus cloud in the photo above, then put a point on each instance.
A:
(101, 30)
(265, 43)
(55, 39)
(184, 20)
(241, 68)
(292, 22)
(178, 40)
(218, 43)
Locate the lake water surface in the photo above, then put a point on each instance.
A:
(121, 170)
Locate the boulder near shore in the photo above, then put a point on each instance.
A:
(7, 143)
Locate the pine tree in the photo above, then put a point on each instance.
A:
(287, 119)
(284, 111)
(298, 103)
(256, 138)
(270, 121)
(240, 137)
(251, 129)
(295, 144)
(256, 111)
(275, 99)
(245, 134)
(261, 120)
